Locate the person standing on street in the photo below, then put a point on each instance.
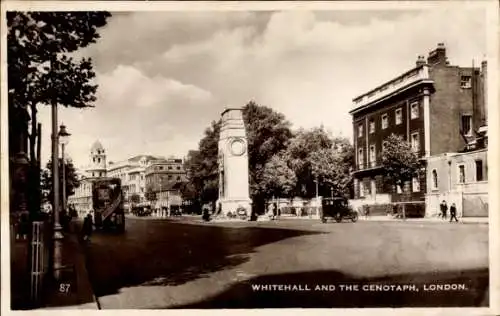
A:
(444, 209)
(87, 227)
(453, 212)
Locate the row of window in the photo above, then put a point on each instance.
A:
(159, 168)
(414, 141)
(398, 119)
(157, 179)
(372, 189)
(461, 174)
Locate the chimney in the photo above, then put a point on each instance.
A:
(438, 56)
(484, 77)
(420, 61)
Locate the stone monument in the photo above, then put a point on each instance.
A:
(234, 188)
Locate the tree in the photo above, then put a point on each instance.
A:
(300, 156)
(135, 198)
(72, 181)
(150, 195)
(278, 179)
(268, 133)
(399, 161)
(41, 70)
(332, 167)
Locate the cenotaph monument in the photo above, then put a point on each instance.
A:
(234, 188)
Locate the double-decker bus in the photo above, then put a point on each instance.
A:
(107, 202)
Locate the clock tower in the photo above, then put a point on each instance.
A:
(234, 188)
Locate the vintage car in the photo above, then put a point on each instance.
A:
(337, 208)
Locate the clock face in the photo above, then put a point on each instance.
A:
(238, 147)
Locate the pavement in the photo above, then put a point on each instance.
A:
(74, 290)
(184, 263)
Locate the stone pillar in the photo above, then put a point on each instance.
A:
(234, 188)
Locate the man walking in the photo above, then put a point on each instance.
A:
(453, 212)
(444, 209)
(87, 227)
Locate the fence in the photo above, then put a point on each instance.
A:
(412, 209)
(39, 257)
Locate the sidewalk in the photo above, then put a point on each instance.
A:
(74, 290)
(464, 220)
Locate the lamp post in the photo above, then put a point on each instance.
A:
(57, 236)
(63, 140)
(317, 198)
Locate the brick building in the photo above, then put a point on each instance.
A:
(435, 106)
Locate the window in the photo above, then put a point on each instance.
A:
(372, 126)
(178, 168)
(461, 174)
(415, 184)
(415, 143)
(385, 121)
(398, 189)
(361, 189)
(479, 170)
(169, 167)
(169, 177)
(360, 158)
(98, 160)
(372, 155)
(467, 124)
(161, 167)
(178, 177)
(465, 82)
(434, 179)
(414, 110)
(360, 130)
(399, 116)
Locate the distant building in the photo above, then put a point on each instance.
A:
(435, 106)
(96, 168)
(163, 179)
(132, 174)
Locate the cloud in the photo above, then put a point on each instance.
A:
(164, 76)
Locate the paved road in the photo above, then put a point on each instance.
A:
(184, 263)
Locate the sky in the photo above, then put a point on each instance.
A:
(164, 76)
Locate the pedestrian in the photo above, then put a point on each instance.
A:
(453, 212)
(87, 227)
(444, 209)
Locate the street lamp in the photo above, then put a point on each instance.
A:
(63, 140)
(58, 236)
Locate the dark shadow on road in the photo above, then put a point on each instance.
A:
(242, 295)
(159, 253)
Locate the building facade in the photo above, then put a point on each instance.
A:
(460, 178)
(132, 174)
(81, 200)
(163, 180)
(435, 106)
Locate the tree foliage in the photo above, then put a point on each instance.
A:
(332, 167)
(300, 156)
(135, 198)
(41, 70)
(399, 161)
(278, 179)
(150, 195)
(72, 181)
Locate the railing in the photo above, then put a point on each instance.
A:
(112, 207)
(392, 86)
